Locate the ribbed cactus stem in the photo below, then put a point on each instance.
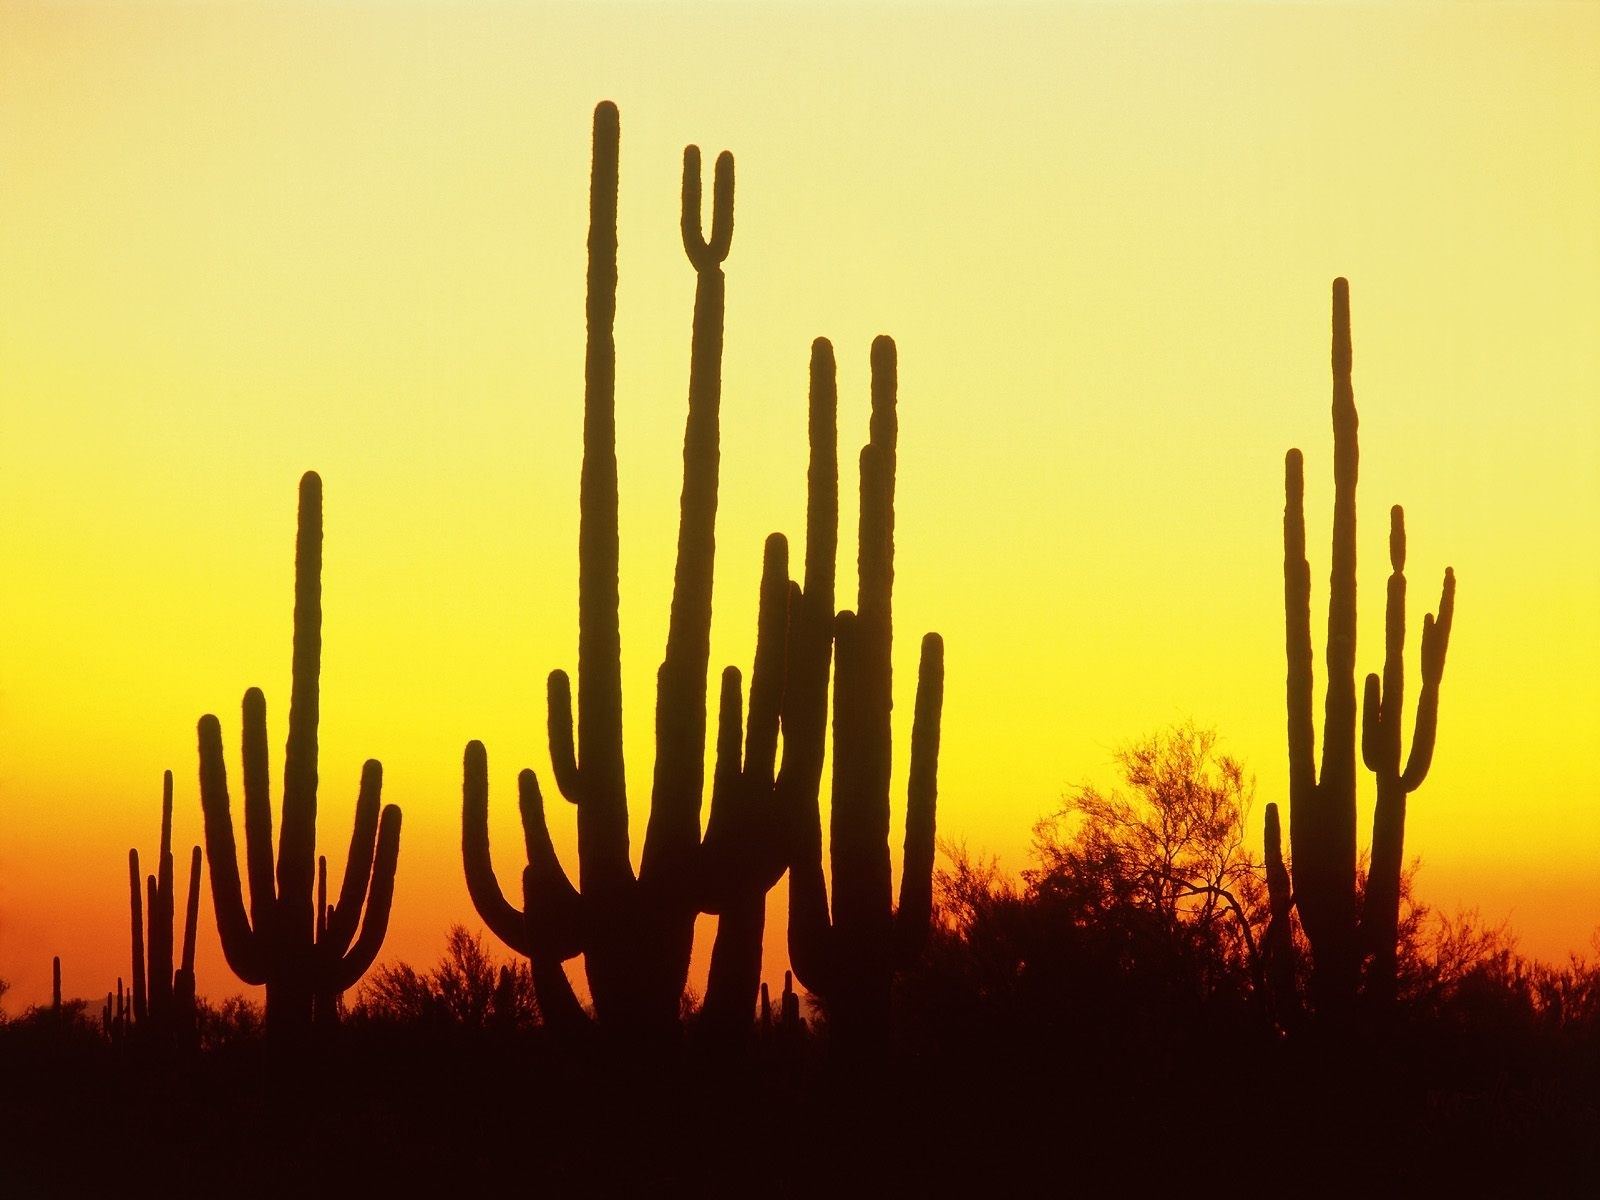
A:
(849, 955)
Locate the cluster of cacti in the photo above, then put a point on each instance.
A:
(294, 943)
(636, 933)
(849, 957)
(163, 999)
(789, 1023)
(1322, 811)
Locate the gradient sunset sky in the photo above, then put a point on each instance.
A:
(239, 241)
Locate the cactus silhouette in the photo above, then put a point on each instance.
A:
(635, 932)
(301, 950)
(1380, 750)
(849, 955)
(163, 998)
(1322, 811)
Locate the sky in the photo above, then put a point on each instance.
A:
(242, 240)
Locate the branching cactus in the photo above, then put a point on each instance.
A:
(163, 998)
(305, 954)
(1322, 811)
(1380, 750)
(849, 955)
(635, 932)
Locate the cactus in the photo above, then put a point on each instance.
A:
(163, 998)
(305, 958)
(1322, 812)
(849, 955)
(1380, 750)
(636, 933)
(55, 987)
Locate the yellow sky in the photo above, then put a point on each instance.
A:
(238, 241)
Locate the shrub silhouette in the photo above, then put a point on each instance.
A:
(298, 946)
(1322, 811)
(465, 990)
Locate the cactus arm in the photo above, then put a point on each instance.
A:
(1372, 723)
(346, 913)
(603, 815)
(1435, 643)
(324, 913)
(136, 905)
(503, 920)
(191, 912)
(160, 913)
(241, 946)
(915, 911)
(347, 970)
(258, 811)
(707, 255)
(563, 751)
(553, 927)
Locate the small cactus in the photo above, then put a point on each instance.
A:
(291, 942)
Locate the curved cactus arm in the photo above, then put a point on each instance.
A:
(346, 913)
(915, 911)
(246, 955)
(1435, 643)
(563, 751)
(706, 256)
(345, 971)
(553, 924)
(503, 920)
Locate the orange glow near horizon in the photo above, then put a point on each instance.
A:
(241, 242)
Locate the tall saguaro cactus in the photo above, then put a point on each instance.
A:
(849, 955)
(163, 998)
(635, 932)
(1322, 811)
(304, 957)
(1380, 750)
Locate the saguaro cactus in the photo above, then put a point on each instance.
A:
(635, 932)
(1380, 750)
(303, 956)
(849, 955)
(1322, 812)
(163, 999)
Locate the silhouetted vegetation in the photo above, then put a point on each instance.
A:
(298, 945)
(1157, 991)
(636, 932)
